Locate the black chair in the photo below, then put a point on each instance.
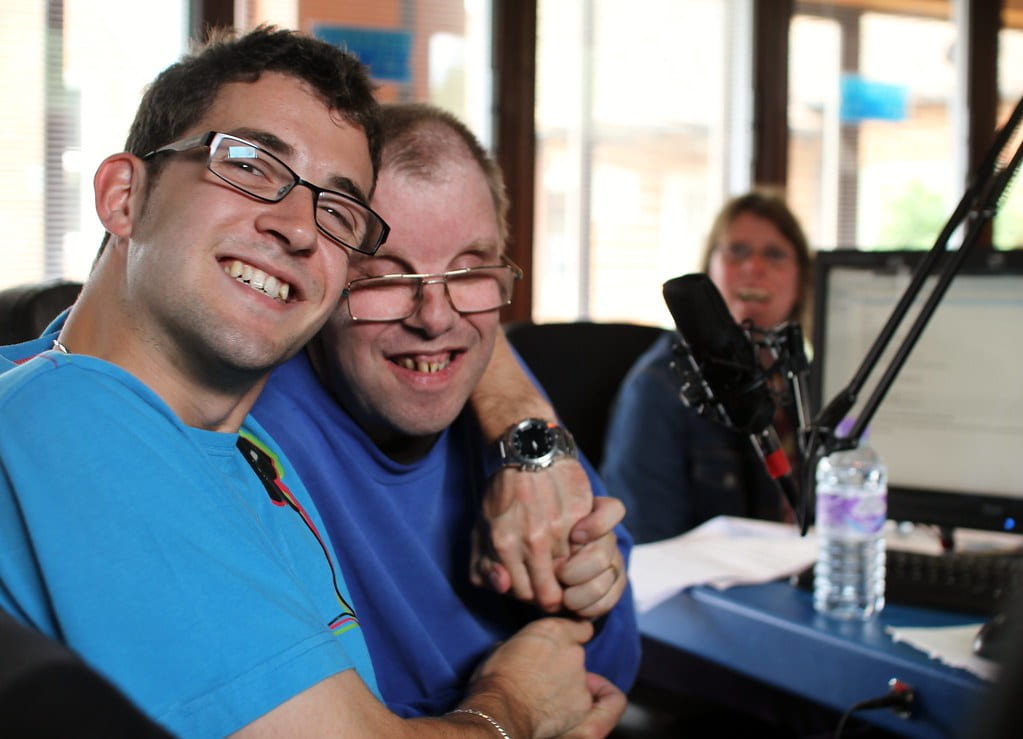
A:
(25, 310)
(48, 691)
(581, 365)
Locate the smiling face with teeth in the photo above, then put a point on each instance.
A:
(405, 381)
(758, 289)
(226, 286)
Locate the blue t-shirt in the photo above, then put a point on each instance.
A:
(155, 551)
(403, 534)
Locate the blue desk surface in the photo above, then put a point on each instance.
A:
(771, 633)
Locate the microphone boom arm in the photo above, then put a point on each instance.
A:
(976, 209)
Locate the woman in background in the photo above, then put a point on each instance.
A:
(672, 468)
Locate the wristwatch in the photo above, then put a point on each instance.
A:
(534, 444)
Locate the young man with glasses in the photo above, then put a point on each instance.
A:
(146, 520)
(374, 417)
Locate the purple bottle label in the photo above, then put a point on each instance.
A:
(852, 515)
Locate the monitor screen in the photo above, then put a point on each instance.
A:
(950, 428)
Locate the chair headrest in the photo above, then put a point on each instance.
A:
(25, 310)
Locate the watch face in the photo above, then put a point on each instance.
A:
(533, 441)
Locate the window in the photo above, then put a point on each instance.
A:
(873, 123)
(72, 72)
(643, 129)
(642, 120)
(877, 121)
(1008, 229)
(435, 51)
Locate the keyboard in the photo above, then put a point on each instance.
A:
(965, 582)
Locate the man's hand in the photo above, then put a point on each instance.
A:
(609, 704)
(534, 685)
(523, 537)
(539, 680)
(594, 575)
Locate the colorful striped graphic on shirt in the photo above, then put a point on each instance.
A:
(268, 468)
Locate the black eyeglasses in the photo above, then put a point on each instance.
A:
(256, 172)
(396, 297)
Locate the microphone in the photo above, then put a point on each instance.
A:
(722, 378)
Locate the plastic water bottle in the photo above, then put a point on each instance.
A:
(852, 504)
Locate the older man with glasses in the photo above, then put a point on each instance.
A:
(373, 416)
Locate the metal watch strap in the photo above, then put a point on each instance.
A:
(562, 445)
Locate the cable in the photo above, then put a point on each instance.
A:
(900, 697)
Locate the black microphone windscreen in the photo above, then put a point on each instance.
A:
(721, 349)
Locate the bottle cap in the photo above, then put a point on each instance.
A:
(845, 426)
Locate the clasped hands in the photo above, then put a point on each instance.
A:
(546, 539)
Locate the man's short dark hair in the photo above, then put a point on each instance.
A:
(183, 92)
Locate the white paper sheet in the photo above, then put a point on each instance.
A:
(722, 552)
(952, 645)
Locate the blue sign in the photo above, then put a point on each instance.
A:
(865, 100)
(385, 52)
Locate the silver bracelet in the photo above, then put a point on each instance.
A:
(489, 719)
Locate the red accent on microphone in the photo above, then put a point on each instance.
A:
(777, 464)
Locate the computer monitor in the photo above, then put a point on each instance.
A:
(950, 428)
